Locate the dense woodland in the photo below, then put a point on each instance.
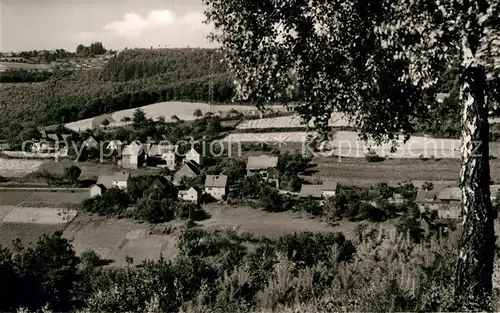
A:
(134, 78)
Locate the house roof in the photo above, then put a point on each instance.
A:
(100, 186)
(105, 180)
(329, 185)
(133, 149)
(115, 142)
(158, 149)
(261, 162)
(185, 170)
(91, 139)
(53, 136)
(193, 166)
(196, 188)
(121, 176)
(196, 149)
(423, 196)
(219, 181)
(310, 191)
(450, 193)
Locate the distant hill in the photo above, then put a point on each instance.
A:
(133, 78)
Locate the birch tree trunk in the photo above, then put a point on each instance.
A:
(477, 241)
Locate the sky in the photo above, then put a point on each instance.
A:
(54, 24)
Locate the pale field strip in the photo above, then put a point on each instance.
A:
(294, 121)
(348, 144)
(16, 167)
(47, 216)
(183, 110)
(80, 125)
(21, 154)
(279, 137)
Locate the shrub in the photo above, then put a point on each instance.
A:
(372, 156)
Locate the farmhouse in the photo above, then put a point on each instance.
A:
(133, 156)
(114, 145)
(119, 180)
(193, 194)
(194, 155)
(311, 191)
(97, 190)
(265, 166)
(163, 155)
(216, 186)
(91, 142)
(187, 170)
(329, 188)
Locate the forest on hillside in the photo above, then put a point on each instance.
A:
(137, 77)
(133, 78)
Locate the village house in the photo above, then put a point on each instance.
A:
(195, 155)
(97, 190)
(265, 166)
(397, 198)
(133, 156)
(216, 186)
(161, 183)
(187, 170)
(163, 156)
(170, 156)
(311, 191)
(114, 145)
(193, 194)
(329, 188)
(118, 180)
(90, 143)
(494, 190)
(450, 199)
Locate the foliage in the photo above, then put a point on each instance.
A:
(46, 271)
(139, 120)
(198, 113)
(95, 48)
(112, 202)
(23, 76)
(71, 174)
(214, 272)
(293, 164)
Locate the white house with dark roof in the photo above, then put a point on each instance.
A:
(91, 142)
(97, 190)
(114, 145)
(118, 179)
(216, 186)
(164, 155)
(265, 166)
(133, 156)
(193, 194)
